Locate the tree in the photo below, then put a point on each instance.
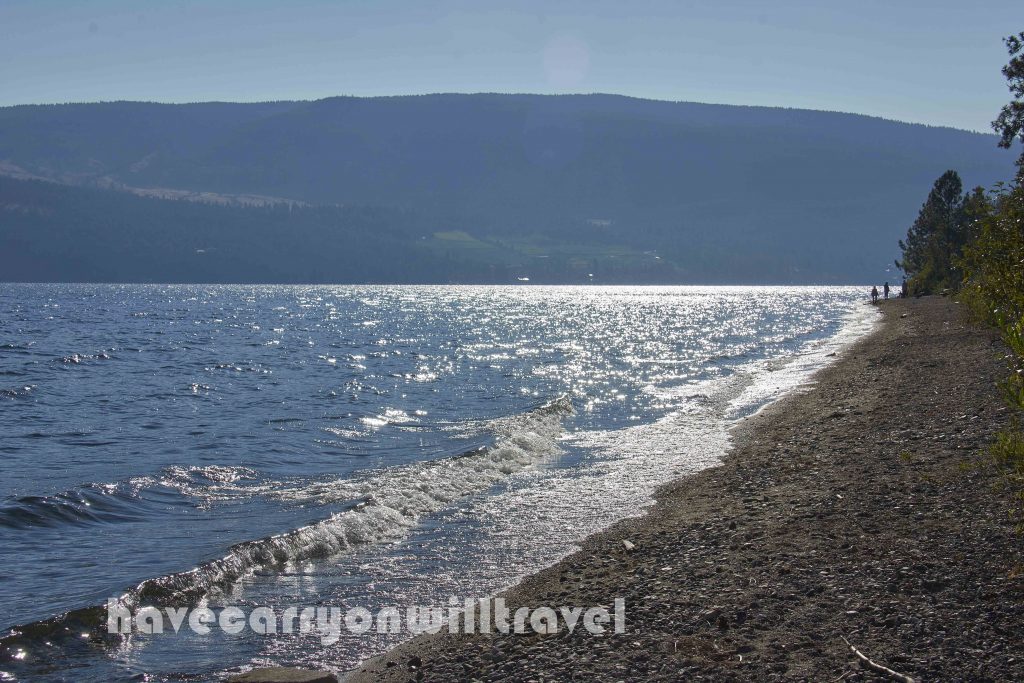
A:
(977, 208)
(993, 267)
(992, 262)
(937, 237)
(1010, 122)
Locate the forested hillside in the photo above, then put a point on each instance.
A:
(555, 188)
(53, 232)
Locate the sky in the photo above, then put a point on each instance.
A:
(927, 62)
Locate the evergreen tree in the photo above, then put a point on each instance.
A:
(936, 238)
(1010, 122)
(977, 208)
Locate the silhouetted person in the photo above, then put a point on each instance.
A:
(874, 295)
(885, 289)
(903, 289)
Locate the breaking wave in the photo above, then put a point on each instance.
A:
(382, 506)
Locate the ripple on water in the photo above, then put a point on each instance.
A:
(213, 434)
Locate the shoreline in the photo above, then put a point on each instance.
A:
(843, 509)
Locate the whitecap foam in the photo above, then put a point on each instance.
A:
(770, 379)
(384, 505)
(545, 517)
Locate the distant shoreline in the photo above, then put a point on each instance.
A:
(866, 288)
(475, 188)
(856, 509)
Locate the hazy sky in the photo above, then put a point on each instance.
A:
(931, 62)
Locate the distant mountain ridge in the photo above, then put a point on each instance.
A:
(499, 183)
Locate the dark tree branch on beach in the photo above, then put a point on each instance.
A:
(878, 668)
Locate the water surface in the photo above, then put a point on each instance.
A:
(426, 441)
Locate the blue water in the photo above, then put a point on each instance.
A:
(145, 430)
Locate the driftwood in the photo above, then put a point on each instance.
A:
(877, 668)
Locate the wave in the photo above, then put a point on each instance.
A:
(79, 358)
(382, 506)
(92, 504)
(17, 349)
(17, 392)
(129, 500)
(772, 378)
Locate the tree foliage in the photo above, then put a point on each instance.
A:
(1010, 122)
(993, 264)
(975, 242)
(993, 274)
(937, 237)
